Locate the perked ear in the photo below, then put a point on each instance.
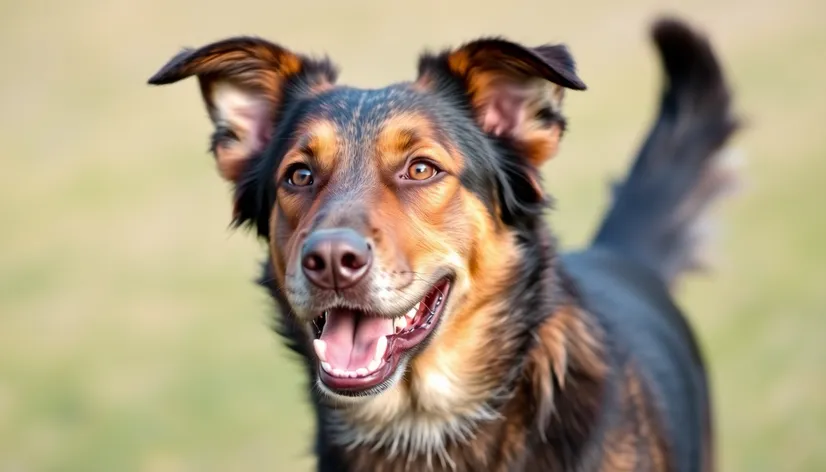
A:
(244, 81)
(515, 91)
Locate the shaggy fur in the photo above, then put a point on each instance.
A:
(538, 361)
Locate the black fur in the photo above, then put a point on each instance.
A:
(677, 172)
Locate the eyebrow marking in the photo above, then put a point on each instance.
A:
(402, 139)
(320, 143)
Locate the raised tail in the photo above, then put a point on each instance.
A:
(658, 212)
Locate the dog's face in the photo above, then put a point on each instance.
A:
(392, 216)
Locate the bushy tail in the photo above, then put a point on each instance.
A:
(658, 213)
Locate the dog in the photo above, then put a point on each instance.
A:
(414, 273)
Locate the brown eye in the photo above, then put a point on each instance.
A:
(300, 176)
(421, 171)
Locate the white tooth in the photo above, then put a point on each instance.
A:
(339, 373)
(373, 365)
(320, 349)
(326, 366)
(399, 324)
(362, 372)
(413, 311)
(381, 348)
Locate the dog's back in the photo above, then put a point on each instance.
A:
(651, 235)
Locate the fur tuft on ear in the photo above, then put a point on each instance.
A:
(244, 81)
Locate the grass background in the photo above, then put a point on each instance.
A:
(131, 336)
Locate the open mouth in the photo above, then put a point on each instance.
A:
(358, 351)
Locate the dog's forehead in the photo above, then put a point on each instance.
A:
(365, 108)
(359, 116)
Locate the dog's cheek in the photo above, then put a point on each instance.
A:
(290, 207)
(442, 233)
(291, 213)
(481, 232)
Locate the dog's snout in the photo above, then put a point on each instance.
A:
(336, 258)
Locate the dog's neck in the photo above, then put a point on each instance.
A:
(545, 355)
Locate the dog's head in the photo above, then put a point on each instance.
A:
(393, 216)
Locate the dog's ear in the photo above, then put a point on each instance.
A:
(244, 82)
(515, 93)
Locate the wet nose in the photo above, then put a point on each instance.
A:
(336, 258)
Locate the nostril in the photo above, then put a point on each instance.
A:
(314, 262)
(351, 261)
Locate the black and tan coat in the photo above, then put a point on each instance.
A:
(376, 203)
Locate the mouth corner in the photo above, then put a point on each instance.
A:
(359, 353)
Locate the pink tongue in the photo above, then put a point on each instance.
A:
(351, 338)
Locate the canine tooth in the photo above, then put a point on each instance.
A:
(373, 365)
(381, 348)
(399, 324)
(320, 349)
(361, 372)
(327, 367)
(412, 313)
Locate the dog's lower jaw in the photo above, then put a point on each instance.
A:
(336, 400)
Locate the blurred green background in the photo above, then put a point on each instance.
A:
(131, 335)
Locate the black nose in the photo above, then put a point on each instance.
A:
(336, 258)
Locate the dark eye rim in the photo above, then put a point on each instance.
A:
(437, 174)
(288, 175)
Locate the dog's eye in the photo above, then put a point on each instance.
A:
(300, 176)
(421, 170)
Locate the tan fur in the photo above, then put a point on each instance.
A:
(565, 341)
(636, 443)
